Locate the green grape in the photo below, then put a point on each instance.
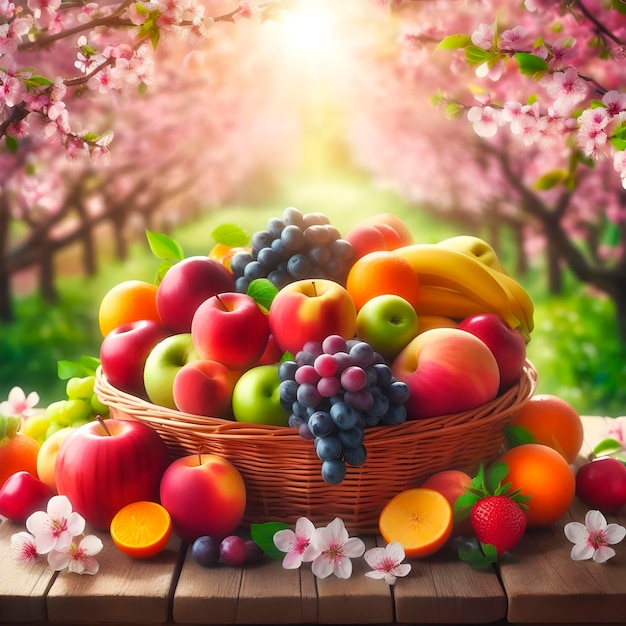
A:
(36, 426)
(66, 412)
(80, 388)
(98, 407)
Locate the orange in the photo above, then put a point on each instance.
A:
(552, 422)
(382, 272)
(419, 519)
(141, 529)
(542, 474)
(128, 301)
(222, 253)
(18, 454)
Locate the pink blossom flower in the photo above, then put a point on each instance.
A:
(483, 36)
(567, 88)
(387, 562)
(56, 528)
(484, 120)
(617, 430)
(18, 403)
(514, 38)
(615, 102)
(592, 134)
(336, 548)
(592, 539)
(79, 557)
(297, 545)
(23, 547)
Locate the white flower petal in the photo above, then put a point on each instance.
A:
(91, 545)
(75, 524)
(337, 531)
(311, 552)
(59, 507)
(88, 565)
(343, 569)
(603, 554)
(285, 539)
(292, 560)
(38, 522)
(374, 556)
(304, 527)
(595, 521)
(376, 573)
(402, 569)
(390, 579)
(58, 560)
(395, 551)
(354, 547)
(614, 533)
(322, 567)
(576, 532)
(581, 552)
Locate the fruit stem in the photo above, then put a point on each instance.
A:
(100, 419)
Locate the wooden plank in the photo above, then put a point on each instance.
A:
(22, 586)
(443, 589)
(544, 585)
(125, 589)
(357, 600)
(206, 595)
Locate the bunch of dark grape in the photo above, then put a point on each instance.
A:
(293, 247)
(335, 390)
(233, 550)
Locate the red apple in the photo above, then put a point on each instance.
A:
(103, 466)
(272, 352)
(124, 351)
(311, 310)
(506, 343)
(205, 387)
(601, 484)
(230, 328)
(205, 495)
(447, 371)
(23, 494)
(186, 285)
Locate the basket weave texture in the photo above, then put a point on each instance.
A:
(282, 471)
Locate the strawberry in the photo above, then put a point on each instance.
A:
(496, 514)
(498, 520)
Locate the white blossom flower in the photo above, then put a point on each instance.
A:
(336, 548)
(297, 545)
(79, 557)
(387, 562)
(23, 547)
(56, 528)
(18, 403)
(592, 539)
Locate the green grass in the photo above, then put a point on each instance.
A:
(574, 346)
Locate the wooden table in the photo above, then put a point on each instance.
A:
(539, 584)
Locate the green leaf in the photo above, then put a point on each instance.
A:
(85, 366)
(453, 42)
(231, 235)
(463, 505)
(549, 180)
(263, 536)
(618, 144)
(495, 475)
(453, 111)
(164, 247)
(619, 6)
(478, 555)
(9, 425)
(163, 269)
(263, 292)
(11, 143)
(517, 435)
(529, 64)
(477, 56)
(607, 447)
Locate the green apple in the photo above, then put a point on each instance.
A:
(387, 322)
(163, 363)
(256, 397)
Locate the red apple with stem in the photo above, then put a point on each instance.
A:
(106, 464)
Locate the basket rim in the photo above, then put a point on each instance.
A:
(507, 403)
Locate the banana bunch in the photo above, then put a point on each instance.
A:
(462, 276)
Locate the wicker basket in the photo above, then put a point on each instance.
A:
(282, 471)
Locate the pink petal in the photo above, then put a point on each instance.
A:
(285, 540)
(91, 545)
(292, 560)
(374, 556)
(354, 547)
(576, 532)
(603, 554)
(595, 521)
(581, 552)
(59, 507)
(395, 551)
(75, 524)
(376, 573)
(86, 565)
(58, 560)
(614, 533)
(322, 567)
(343, 569)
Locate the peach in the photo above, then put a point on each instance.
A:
(447, 371)
(451, 484)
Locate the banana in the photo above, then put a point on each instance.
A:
(475, 247)
(521, 302)
(447, 303)
(440, 266)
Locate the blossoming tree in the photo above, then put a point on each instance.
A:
(537, 90)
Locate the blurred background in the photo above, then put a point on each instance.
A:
(325, 106)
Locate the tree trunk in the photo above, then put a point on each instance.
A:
(46, 272)
(89, 247)
(6, 307)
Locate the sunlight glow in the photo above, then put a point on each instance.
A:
(310, 31)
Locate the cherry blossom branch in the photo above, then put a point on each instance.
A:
(598, 24)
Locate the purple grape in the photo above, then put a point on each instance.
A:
(353, 378)
(344, 360)
(343, 415)
(314, 347)
(362, 400)
(397, 392)
(333, 471)
(333, 344)
(304, 358)
(205, 550)
(309, 395)
(328, 386)
(293, 216)
(326, 365)
(363, 354)
(355, 456)
(352, 437)
(304, 431)
(328, 448)
(383, 374)
(307, 374)
(233, 550)
(254, 552)
(395, 415)
(292, 237)
(320, 424)
(287, 370)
